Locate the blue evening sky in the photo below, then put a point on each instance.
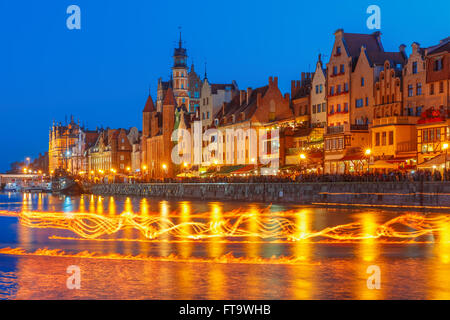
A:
(101, 74)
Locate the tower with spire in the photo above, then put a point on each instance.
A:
(180, 75)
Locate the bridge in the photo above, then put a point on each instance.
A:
(9, 178)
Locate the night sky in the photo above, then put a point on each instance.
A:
(101, 74)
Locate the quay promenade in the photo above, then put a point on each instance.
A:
(427, 194)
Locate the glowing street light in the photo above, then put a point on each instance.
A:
(368, 152)
(445, 147)
(302, 156)
(164, 166)
(185, 164)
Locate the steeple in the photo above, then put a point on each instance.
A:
(179, 42)
(149, 106)
(206, 76)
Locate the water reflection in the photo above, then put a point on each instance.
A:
(326, 252)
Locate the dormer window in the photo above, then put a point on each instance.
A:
(338, 51)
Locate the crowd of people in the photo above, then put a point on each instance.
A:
(297, 177)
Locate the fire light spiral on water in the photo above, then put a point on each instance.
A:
(226, 258)
(235, 224)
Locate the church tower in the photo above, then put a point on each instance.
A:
(180, 75)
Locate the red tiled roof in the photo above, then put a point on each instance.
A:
(354, 41)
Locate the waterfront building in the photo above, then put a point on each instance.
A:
(433, 127)
(157, 131)
(194, 89)
(393, 131)
(67, 147)
(347, 133)
(111, 153)
(437, 95)
(213, 95)
(318, 96)
(261, 109)
(301, 100)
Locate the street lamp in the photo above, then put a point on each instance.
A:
(302, 158)
(368, 152)
(445, 147)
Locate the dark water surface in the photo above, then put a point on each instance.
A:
(159, 249)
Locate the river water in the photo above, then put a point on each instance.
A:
(146, 248)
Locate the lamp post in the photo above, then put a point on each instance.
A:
(445, 147)
(302, 159)
(368, 152)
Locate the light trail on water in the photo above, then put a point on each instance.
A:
(236, 225)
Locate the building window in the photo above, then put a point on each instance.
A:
(314, 108)
(338, 90)
(438, 64)
(335, 70)
(207, 115)
(359, 103)
(317, 88)
(377, 139)
(391, 138)
(122, 158)
(431, 88)
(346, 87)
(362, 81)
(410, 90)
(321, 88)
(414, 68)
(319, 108)
(441, 87)
(342, 68)
(418, 111)
(323, 107)
(346, 107)
(338, 108)
(367, 101)
(419, 89)
(383, 138)
(331, 91)
(338, 50)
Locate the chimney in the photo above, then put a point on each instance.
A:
(303, 78)
(241, 97)
(249, 93)
(402, 48)
(270, 81)
(292, 86)
(275, 81)
(377, 35)
(339, 33)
